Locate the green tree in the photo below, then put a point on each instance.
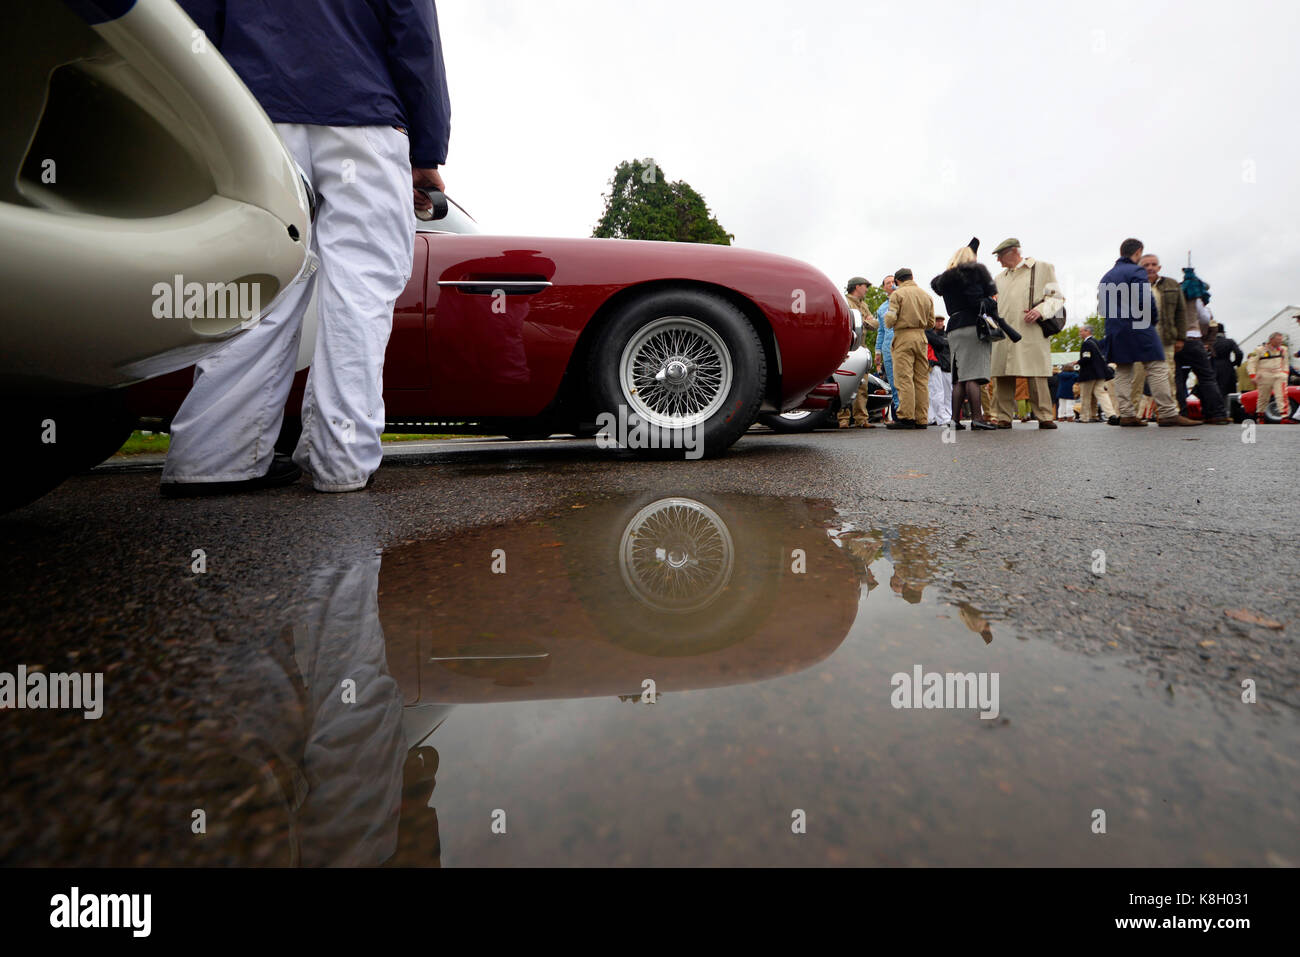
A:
(874, 297)
(643, 204)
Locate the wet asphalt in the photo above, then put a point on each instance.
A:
(993, 534)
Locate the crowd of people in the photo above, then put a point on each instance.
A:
(989, 361)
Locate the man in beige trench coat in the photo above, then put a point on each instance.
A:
(1031, 357)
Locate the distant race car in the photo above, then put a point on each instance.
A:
(148, 212)
(528, 337)
(1242, 405)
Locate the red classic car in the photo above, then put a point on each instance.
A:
(528, 337)
(1242, 406)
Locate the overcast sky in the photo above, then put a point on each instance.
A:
(863, 136)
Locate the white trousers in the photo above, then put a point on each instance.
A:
(364, 237)
(355, 746)
(940, 389)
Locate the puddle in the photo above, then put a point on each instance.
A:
(486, 700)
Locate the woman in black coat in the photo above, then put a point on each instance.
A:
(964, 286)
(1226, 356)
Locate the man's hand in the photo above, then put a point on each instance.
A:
(425, 179)
(1033, 315)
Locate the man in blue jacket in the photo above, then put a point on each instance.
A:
(1093, 370)
(885, 342)
(358, 92)
(1124, 299)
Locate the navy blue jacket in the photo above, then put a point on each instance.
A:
(339, 63)
(1065, 384)
(1125, 300)
(1092, 362)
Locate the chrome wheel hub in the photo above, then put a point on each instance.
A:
(675, 372)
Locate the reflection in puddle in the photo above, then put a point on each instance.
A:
(663, 680)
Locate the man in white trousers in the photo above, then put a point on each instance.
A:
(357, 89)
(940, 385)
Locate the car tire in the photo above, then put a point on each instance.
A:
(802, 420)
(686, 364)
(1271, 414)
(86, 431)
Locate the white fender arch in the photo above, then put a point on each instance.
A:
(130, 155)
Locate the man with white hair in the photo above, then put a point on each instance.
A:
(1028, 293)
(1094, 373)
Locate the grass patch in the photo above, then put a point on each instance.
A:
(155, 443)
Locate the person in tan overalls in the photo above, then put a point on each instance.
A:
(1267, 368)
(911, 312)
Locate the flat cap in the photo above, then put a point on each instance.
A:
(1005, 245)
(902, 275)
(857, 281)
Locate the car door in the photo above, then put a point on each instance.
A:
(489, 332)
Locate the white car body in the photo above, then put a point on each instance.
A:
(131, 154)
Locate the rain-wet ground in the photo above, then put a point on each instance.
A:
(669, 677)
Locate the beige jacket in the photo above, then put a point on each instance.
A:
(1171, 311)
(1263, 359)
(1032, 355)
(910, 307)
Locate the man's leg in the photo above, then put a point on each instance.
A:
(1124, 374)
(1161, 390)
(861, 415)
(1040, 399)
(1178, 370)
(1271, 386)
(902, 368)
(889, 376)
(1139, 380)
(1004, 398)
(1106, 400)
(1195, 357)
(1086, 399)
(934, 395)
(920, 368)
(945, 391)
(226, 428)
(366, 234)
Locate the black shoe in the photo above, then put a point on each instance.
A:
(920, 425)
(1113, 420)
(958, 426)
(901, 424)
(983, 427)
(1046, 424)
(281, 472)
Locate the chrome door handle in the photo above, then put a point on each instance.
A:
(489, 287)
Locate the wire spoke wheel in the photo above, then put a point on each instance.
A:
(676, 555)
(675, 372)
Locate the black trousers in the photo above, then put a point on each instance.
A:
(1193, 358)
